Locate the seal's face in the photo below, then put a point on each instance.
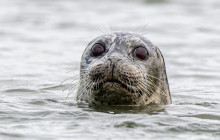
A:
(123, 69)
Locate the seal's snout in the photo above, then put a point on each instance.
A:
(116, 70)
(114, 60)
(113, 63)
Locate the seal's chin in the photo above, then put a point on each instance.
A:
(115, 93)
(115, 85)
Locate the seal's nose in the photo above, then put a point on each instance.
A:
(113, 65)
(114, 60)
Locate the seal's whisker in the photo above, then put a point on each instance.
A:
(83, 82)
(152, 92)
(69, 85)
(107, 27)
(83, 69)
(70, 91)
(133, 75)
(72, 87)
(68, 79)
(129, 85)
(101, 30)
(88, 86)
(152, 89)
(84, 77)
(76, 84)
(158, 93)
(111, 29)
(84, 86)
(72, 70)
(145, 88)
(154, 77)
(142, 98)
(96, 84)
(84, 73)
(140, 29)
(154, 85)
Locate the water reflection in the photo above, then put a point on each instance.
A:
(120, 109)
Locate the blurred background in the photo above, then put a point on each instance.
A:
(42, 40)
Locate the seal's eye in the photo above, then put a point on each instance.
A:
(141, 53)
(98, 49)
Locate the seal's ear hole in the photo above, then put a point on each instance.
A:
(141, 53)
(97, 49)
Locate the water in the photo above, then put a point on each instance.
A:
(41, 40)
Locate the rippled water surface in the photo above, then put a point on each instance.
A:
(41, 42)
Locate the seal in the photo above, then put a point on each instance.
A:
(122, 68)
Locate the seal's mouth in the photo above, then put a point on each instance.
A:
(114, 92)
(114, 84)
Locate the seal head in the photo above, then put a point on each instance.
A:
(123, 69)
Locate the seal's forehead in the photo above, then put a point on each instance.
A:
(122, 38)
